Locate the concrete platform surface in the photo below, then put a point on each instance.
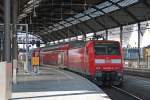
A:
(55, 84)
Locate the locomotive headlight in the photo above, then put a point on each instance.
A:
(116, 61)
(99, 61)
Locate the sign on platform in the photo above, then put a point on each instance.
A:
(35, 61)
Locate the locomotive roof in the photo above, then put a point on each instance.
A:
(73, 44)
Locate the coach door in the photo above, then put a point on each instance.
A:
(61, 59)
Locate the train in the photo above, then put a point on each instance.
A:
(99, 60)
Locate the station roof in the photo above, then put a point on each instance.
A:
(58, 19)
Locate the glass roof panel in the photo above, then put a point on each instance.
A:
(103, 5)
(84, 18)
(60, 27)
(50, 27)
(90, 10)
(127, 2)
(75, 22)
(111, 8)
(62, 22)
(56, 25)
(115, 0)
(70, 19)
(67, 24)
(79, 15)
(49, 31)
(54, 29)
(95, 14)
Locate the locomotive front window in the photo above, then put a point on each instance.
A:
(107, 49)
(99, 50)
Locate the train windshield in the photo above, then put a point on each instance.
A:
(107, 49)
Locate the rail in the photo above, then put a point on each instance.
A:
(127, 93)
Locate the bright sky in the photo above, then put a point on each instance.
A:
(145, 40)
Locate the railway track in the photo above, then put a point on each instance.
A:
(126, 93)
(116, 93)
(109, 90)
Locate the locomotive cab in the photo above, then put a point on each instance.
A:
(108, 62)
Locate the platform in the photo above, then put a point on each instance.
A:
(55, 84)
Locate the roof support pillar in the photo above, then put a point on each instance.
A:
(106, 34)
(1, 46)
(121, 35)
(14, 40)
(139, 56)
(7, 51)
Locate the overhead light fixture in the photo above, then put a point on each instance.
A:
(85, 4)
(22, 16)
(30, 20)
(34, 12)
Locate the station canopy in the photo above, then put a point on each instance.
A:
(60, 19)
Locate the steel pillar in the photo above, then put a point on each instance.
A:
(1, 46)
(7, 48)
(106, 34)
(14, 41)
(6, 66)
(27, 49)
(121, 29)
(139, 56)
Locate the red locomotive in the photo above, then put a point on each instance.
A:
(101, 60)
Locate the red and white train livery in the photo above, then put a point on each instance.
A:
(101, 60)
